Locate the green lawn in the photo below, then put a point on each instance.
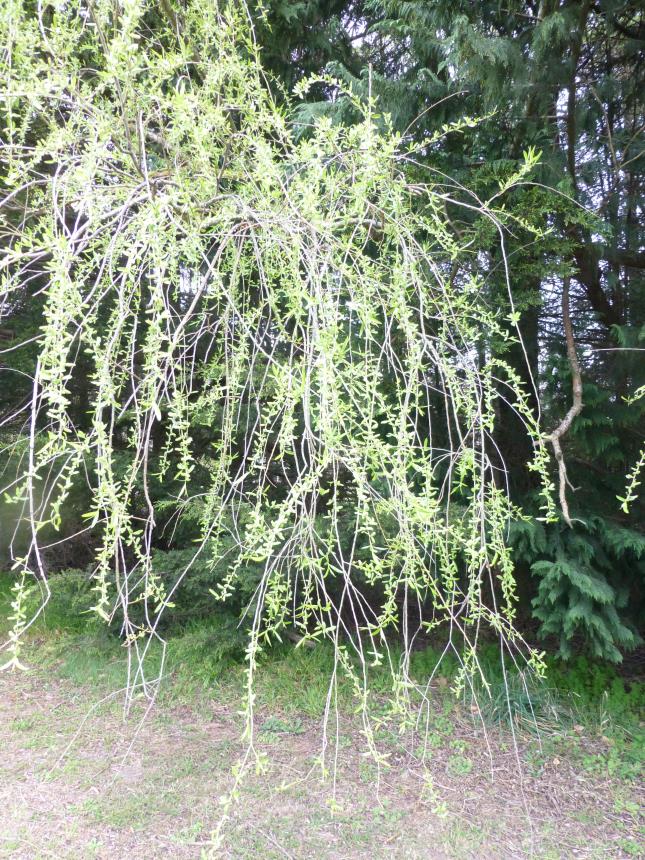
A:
(79, 780)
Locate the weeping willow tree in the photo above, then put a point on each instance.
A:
(310, 298)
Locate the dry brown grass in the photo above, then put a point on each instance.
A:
(122, 789)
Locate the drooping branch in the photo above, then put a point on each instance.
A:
(298, 296)
(576, 406)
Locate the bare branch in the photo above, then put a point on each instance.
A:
(576, 406)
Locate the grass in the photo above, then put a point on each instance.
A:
(157, 784)
(209, 653)
(576, 703)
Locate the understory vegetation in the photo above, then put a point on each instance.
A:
(574, 743)
(209, 653)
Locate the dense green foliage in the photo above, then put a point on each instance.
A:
(263, 357)
(285, 342)
(567, 78)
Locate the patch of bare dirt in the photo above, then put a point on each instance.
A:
(79, 781)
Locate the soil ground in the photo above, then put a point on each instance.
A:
(79, 781)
